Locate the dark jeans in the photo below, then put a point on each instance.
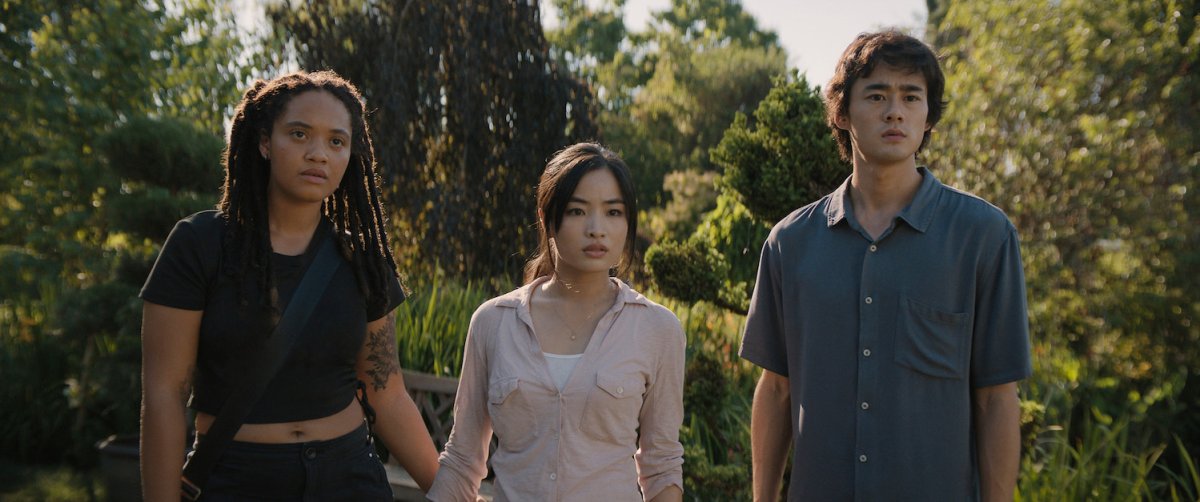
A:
(344, 468)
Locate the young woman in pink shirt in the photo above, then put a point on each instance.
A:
(579, 377)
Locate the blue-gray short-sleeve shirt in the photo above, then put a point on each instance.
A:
(883, 340)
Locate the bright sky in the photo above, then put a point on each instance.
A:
(814, 32)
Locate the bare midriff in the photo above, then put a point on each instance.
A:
(317, 429)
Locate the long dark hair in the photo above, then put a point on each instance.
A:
(860, 59)
(554, 192)
(355, 208)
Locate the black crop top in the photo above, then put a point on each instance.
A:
(318, 377)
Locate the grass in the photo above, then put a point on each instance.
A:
(431, 326)
(57, 483)
(1098, 465)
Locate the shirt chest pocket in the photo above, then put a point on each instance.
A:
(513, 419)
(932, 341)
(613, 406)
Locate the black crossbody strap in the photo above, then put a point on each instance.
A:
(202, 460)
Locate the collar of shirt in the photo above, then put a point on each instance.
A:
(917, 214)
(519, 298)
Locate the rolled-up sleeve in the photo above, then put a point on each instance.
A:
(463, 464)
(660, 455)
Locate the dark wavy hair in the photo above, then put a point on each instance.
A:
(554, 191)
(860, 59)
(355, 208)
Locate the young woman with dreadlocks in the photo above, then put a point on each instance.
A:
(299, 169)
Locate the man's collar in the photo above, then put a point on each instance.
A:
(918, 214)
(921, 210)
(839, 201)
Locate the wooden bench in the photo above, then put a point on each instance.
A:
(434, 397)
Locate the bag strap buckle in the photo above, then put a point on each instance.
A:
(188, 490)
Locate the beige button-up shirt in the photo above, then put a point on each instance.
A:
(611, 434)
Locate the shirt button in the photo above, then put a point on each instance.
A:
(866, 352)
(866, 405)
(553, 476)
(620, 390)
(868, 300)
(874, 248)
(862, 458)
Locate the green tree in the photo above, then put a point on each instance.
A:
(468, 108)
(782, 161)
(1080, 122)
(668, 93)
(715, 22)
(589, 39)
(75, 70)
(71, 74)
(937, 12)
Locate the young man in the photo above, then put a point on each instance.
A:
(889, 317)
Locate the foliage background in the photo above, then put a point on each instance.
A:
(112, 114)
(83, 86)
(1094, 153)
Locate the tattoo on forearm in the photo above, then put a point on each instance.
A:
(381, 353)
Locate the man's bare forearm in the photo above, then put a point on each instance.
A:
(998, 424)
(770, 434)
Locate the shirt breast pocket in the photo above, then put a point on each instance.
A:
(932, 341)
(613, 406)
(513, 419)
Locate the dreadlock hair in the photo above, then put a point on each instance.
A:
(860, 58)
(355, 207)
(554, 191)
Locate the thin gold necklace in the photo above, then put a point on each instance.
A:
(592, 312)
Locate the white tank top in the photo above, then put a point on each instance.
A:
(561, 366)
